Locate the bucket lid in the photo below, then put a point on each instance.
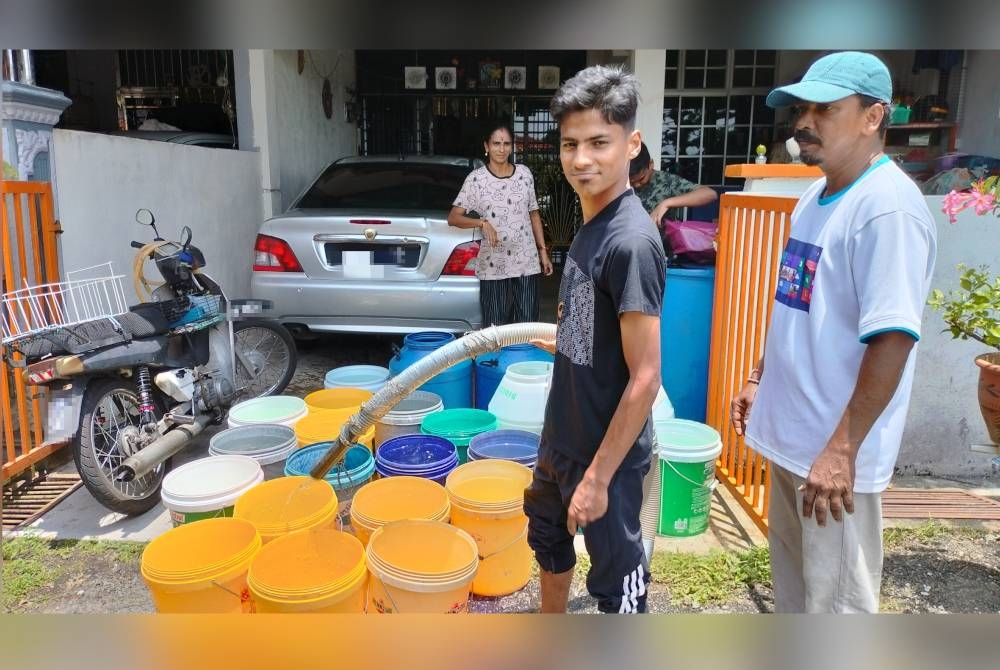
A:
(357, 376)
(309, 565)
(685, 441)
(270, 409)
(286, 504)
(210, 478)
(403, 497)
(199, 550)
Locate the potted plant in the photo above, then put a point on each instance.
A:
(973, 310)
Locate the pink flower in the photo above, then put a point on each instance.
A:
(955, 202)
(983, 202)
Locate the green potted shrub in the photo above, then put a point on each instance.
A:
(972, 312)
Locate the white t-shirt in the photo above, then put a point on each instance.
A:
(506, 202)
(857, 263)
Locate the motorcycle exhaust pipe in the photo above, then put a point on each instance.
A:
(160, 450)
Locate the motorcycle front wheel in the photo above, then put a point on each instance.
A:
(265, 358)
(108, 434)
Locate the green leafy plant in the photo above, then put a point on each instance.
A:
(973, 311)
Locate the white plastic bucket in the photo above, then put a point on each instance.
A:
(519, 401)
(209, 487)
(368, 377)
(405, 418)
(268, 444)
(281, 409)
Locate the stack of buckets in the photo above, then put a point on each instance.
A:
(329, 410)
(268, 444)
(487, 501)
(317, 571)
(405, 418)
(459, 426)
(427, 456)
(396, 498)
(279, 409)
(288, 504)
(518, 446)
(519, 401)
(420, 566)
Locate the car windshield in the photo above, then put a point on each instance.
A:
(425, 186)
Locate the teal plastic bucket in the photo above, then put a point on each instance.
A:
(688, 451)
(459, 426)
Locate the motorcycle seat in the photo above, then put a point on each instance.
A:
(139, 323)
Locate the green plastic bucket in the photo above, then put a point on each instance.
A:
(459, 426)
(688, 451)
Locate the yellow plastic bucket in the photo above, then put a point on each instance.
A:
(326, 426)
(336, 399)
(395, 498)
(487, 500)
(201, 567)
(420, 567)
(318, 571)
(288, 504)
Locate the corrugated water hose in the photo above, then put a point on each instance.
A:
(471, 345)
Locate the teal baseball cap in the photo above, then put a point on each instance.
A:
(837, 76)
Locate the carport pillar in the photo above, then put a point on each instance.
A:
(649, 66)
(256, 91)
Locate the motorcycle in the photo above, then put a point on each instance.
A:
(131, 387)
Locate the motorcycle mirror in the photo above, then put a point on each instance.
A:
(185, 237)
(145, 218)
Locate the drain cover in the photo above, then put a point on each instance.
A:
(25, 501)
(938, 504)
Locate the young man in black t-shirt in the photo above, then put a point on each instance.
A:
(595, 446)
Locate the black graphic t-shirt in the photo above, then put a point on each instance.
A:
(615, 265)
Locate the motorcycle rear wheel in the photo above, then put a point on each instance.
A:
(109, 417)
(265, 358)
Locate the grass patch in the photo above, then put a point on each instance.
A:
(897, 536)
(712, 578)
(31, 562)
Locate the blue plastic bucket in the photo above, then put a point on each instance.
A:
(453, 384)
(490, 368)
(519, 446)
(417, 455)
(368, 377)
(685, 334)
(346, 478)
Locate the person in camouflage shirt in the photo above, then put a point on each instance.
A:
(663, 192)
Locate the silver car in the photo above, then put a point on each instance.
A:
(367, 248)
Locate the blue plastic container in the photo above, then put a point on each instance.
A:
(519, 446)
(418, 455)
(454, 384)
(491, 367)
(685, 335)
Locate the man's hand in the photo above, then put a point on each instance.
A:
(589, 503)
(546, 345)
(739, 408)
(829, 486)
(489, 232)
(543, 256)
(658, 212)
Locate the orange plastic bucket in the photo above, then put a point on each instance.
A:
(395, 498)
(420, 567)
(201, 567)
(342, 398)
(318, 571)
(487, 500)
(326, 426)
(288, 504)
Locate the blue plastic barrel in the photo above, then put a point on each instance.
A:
(685, 334)
(453, 384)
(491, 367)
(418, 455)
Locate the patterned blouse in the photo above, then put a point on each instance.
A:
(505, 202)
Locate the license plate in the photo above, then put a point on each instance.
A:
(395, 255)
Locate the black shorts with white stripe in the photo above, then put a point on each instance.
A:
(619, 573)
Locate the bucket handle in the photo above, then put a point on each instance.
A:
(507, 546)
(245, 600)
(700, 485)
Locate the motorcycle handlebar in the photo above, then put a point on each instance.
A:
(137, 245)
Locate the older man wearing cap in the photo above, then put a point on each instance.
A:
(829, 397)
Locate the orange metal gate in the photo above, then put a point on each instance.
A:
(28, 253)
(752, 234)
